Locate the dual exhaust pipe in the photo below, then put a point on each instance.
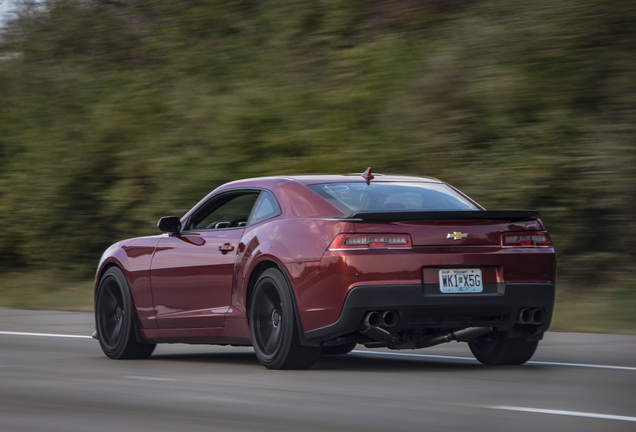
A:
(386, 319)
(375, 325)
(534, 316)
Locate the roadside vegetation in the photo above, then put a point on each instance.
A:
(116, 112)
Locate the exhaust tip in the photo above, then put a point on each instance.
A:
(390, 319)
(534, 316)
(374, 319)
(371, 319)
(525, 316)
(538, 316)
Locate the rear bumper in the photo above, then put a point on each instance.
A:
(425, 308)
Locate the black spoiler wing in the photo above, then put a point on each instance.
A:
(404, 216)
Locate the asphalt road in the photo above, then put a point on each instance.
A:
(55, 378)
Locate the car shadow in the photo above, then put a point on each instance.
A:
(366, 362)
(238, 358)
(351, 361)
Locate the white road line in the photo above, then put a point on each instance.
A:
(8, 333)
(147, 378)
(402, 354)
(472, 360)
(565, 413)
(380, 353)
(583, 365)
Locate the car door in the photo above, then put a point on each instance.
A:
(192, 272)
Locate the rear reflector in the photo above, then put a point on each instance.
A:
(373, 241)
(526, 239)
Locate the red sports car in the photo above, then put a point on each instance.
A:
(299, 266)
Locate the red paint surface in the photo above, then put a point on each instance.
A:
(186, 290)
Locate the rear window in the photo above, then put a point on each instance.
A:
(381, 197)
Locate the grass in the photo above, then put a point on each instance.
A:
(593, 311)
(45, 290)
(606, 310)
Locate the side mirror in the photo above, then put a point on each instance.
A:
(170, 224)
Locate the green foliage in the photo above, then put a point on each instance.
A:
(114, 113)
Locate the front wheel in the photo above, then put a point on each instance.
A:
(273, 325)
(114, 319)
(494, 350)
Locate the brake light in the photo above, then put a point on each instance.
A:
(522, 239)
(370, 241)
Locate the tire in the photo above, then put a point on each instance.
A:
(115, 319)
(494, 350)
(339, 349)
(273, 326)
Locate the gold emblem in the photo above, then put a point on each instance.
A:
(457, 235)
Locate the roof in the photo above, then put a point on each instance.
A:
(309, 179)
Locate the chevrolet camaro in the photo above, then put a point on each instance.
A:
(310, 265)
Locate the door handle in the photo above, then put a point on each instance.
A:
(226, 248)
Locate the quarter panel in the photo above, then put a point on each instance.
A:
(296, 245)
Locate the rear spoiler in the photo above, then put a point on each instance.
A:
(402, 216)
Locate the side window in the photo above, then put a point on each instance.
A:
(227, 211)
(266, 208)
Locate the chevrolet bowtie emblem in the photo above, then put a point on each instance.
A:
(457, 235)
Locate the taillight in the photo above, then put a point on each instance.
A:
(370, 241)
(526, 239)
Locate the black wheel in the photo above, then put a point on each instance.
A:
(114, 319)
(273, 325)
(494, 350)
(338, 349)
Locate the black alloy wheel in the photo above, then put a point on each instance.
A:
(273, 325)
(114, 319)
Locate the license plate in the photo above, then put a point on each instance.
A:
(460, 281)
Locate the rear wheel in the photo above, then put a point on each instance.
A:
(273, 325)
(114, 319)
(494, 350)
